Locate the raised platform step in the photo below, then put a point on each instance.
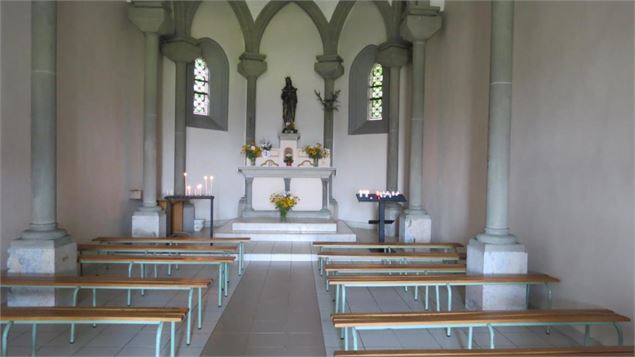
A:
(292, 231)
(292, 225)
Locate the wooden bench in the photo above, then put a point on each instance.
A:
(10, 316)
(104, 282)
(183, 240)
(448, 268)
(223, 263)
(471, 319)
(157, 250)
(502, 352)
(374, 281)
(401, 257)
(387, 245)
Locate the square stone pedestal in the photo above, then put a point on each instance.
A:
(149, 223)
(485, 258)
(41, 257)
(415, 227)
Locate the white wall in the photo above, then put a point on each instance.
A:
(571, 188)
(15, 172)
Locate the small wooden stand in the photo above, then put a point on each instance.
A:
(174, 209)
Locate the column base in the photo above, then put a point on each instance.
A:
(42, 257)
(485, 258)
(415, 226)
(148, 223)
(392, 213)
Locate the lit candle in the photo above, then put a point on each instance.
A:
(188, 190)
(211, 184)
(185, 180)
(205, 179)
(199, 189)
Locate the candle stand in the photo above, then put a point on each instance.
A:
(169, 200)
(381, 200)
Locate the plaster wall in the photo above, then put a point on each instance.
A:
(100, 114)
(455, 125)
(571, 187)
(15, 153)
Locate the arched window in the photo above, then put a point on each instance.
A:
(200, 101)
(375, 92)
(208, 87)
(368, 97)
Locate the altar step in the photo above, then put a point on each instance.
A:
(294, 230)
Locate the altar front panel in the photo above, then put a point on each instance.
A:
(308, 189)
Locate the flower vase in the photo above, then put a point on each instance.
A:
(316, 162)
(283, 215)
(252, 161)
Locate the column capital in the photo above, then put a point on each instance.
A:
(393, 54)
(421, 22)
(329, 66)
(252, 64)
(151, 16)
(181, 49)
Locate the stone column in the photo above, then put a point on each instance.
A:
(43, 248)
(393, 55)
(325, 194)
(251, 66)
(420, 23)
(153, 20)
(496, 251)
(329, 66)
(182, 51)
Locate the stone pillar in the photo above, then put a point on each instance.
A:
(496, 251)
(393, 55)
(420, 23)
(153, 20)
(182, 51)
(251, 66)
(249, 184)
(325, 194)
(329, 66)
(43, 248)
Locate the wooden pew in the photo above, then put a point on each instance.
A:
(447, 280)
(401, 257)
(105, 282)
(502, 352)
(472, 319)
(183, 240)
(33, 316)
(223, 263)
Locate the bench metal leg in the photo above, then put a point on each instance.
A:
(157, 342)
(438, 301)
(75, 293)
(241, 247)
(189, 317)
(587, 333)
(226, 272)
(343, 299)
(220, 285)
(337, 298)
(354, 333)
(169, 269)
(326, 280)
(156, 271)
(470, 335)
(5, 335)
(129, 290)
(345, 339)
(33, 339)
(491, 336)
(449, 331)
(142, 268)
(172, 335)
(427, 302)
(620, 334)
(94, 301)
(200, 308)
(549, 303)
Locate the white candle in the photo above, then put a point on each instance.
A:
(211, 185)
(199, 189)
(185, 180)
(205, 179)
(188, 190)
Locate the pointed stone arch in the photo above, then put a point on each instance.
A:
(246, 21)
(273, 7)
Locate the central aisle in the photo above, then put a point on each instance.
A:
(273, 311)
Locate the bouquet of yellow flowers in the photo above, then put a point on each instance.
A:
(251, 152)
(284, 202)
(316, 151)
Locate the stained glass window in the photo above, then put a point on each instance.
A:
(201, 87)
(375, 92)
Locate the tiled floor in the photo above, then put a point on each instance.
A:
(274, 312)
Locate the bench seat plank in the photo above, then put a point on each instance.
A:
(171, 239)
(458, 267)
(156, 259)
(363, 245)
(400, 255)
(149, 314)
(540, 351)
(157, 248)
(102, 281)
(454, 279)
